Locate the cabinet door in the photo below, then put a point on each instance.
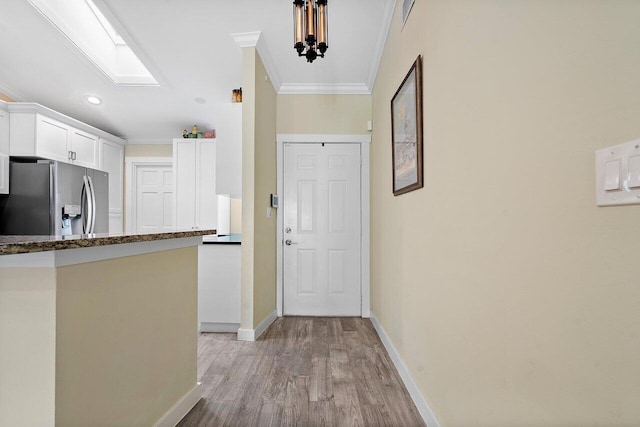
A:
(115, 223)
(52, 139)
(4, 173)
(85, 149)
(184, 172)
(4, 152)
(219, 285)
(207, 200)
(112, 162)
(4, 132)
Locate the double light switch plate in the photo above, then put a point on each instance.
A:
(618, 174)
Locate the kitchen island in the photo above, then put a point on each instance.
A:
(98, 330)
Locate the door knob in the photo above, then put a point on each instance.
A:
(288, 242)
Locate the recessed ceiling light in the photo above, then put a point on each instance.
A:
(94, 100)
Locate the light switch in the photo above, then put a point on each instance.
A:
(612, 175)
(618, 174)
(634, 171)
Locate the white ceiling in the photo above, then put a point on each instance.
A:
(187, 46)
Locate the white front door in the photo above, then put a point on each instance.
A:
(154, 198)
(322, 227)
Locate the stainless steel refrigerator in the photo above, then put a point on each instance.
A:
(53, 198)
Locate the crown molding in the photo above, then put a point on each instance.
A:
(324, 89)
(254, 39)
(383, 35)
(248, 39)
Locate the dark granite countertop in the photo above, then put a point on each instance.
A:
(26, 244)
(231, 239)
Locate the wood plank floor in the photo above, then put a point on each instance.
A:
(303, 371)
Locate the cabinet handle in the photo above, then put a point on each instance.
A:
(73, 154)
(70, 155)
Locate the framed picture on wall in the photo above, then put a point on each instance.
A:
(406, 132)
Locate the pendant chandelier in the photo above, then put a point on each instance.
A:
(310, 28)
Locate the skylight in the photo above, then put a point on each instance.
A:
(88, 29)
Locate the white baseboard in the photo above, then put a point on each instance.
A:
(418, 399)
(218, 327)
(254, 334)
(181, 408)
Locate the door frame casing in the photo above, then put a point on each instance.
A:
(365, 239)
(131, 173)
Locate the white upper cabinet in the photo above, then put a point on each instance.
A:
(4, 148)
(51, 139)
(37, 131)
(194, 165)
(229, 150)
(112, 161)
(84, 149)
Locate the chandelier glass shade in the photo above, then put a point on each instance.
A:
(310, 28)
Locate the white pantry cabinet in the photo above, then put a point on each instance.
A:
(37, 131)
(194, 186)
(112, 161)
(4, 148)
(229, 150)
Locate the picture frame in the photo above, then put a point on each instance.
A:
(406, 132)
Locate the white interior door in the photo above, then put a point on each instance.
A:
(154, 198)
(322, 226)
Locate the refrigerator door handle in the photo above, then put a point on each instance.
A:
(86, 201)
(93, 206)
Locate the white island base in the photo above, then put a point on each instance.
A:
(103, 335)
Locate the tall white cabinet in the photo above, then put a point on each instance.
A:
(112, 161)
(4, 148)
(194, 172)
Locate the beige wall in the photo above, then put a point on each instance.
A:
(323, 114)
(258, 182)
(148, 150)
(124, 354)
(511, 297)
(4, 97)
(236, 216)
(264, 297)
(27, 346)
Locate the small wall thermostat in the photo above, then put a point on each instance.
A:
(274, 201)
